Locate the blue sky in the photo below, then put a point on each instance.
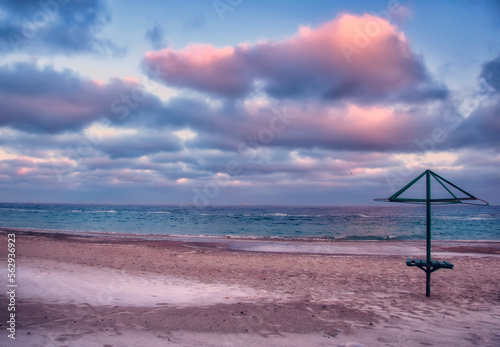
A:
(258, 102)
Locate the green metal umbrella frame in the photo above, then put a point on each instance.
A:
(430, 265)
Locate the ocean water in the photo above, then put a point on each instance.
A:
(386, 221)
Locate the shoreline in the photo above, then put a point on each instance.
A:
(280, 245)
(208, 238)
(78, 291)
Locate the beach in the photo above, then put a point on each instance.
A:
(116, 290)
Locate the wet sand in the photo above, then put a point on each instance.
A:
(88, 290)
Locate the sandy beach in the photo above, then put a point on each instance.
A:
(89, 290)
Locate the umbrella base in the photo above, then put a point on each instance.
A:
(433, 266)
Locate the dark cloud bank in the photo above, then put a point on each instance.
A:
(55, 26)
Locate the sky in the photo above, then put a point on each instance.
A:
(246, 102)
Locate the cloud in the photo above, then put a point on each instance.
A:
(490, 72)
(358, 58)
(45, 100)
(139, 144)
(309, 125)
(156, 37)
(481, 128)
(55, 26)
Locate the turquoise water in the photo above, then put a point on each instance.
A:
(388, 221)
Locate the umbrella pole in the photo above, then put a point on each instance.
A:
(428, 203)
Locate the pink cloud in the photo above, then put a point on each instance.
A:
(202, 66)
(350, 56)
(35, 99)
(349, 127)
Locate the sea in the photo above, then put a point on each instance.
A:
(385, 221)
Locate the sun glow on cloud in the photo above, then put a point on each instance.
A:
(185, 134)
(23, 171)
(301, 160)
(100, 131)
(438, 160)
(4, 155)
(370, 119)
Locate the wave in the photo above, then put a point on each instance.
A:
(462, 218)
(91, 211)
(22, 210)
(364, 215)
(378, 238)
